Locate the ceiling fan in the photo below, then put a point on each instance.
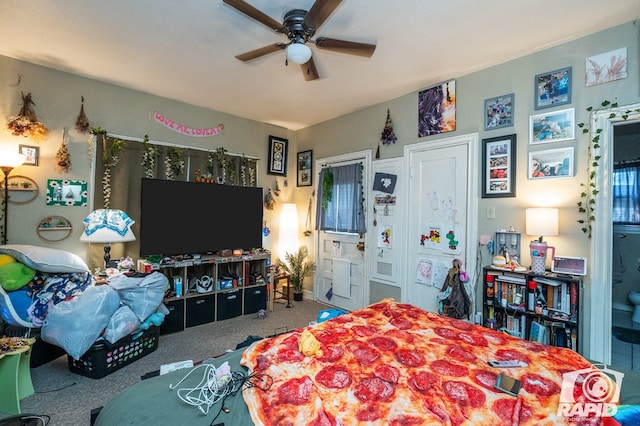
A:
(300, 26)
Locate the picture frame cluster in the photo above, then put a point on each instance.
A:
(549, 125)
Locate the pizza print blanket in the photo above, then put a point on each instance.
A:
(395, 364)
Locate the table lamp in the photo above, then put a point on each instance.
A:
(8, 161)
(107, 226)
(541, 221)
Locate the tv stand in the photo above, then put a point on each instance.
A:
(239, 287)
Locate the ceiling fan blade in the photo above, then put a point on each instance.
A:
(252, 12)
(309, 70)
(344, 46)
(319, 12)
(253, 54)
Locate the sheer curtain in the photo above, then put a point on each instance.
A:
(343, 209)
(626, 192)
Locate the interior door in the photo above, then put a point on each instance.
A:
(341, 271)
(442, 215)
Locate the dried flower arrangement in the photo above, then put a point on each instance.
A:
(82, 122)
(26, 123)
(63, 158)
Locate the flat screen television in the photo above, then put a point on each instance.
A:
(185, 218)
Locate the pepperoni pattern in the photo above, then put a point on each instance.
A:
(395, 364)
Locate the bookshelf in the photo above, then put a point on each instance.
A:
(542, 308)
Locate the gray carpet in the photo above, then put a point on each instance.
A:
(68, 398)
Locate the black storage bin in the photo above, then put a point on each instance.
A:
(175, 320)
(103, 358)
(229, 304)
(200, 309)
(255, 298)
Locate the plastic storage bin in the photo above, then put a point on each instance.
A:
(104, 358)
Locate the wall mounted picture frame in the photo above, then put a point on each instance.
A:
(499, 167)
(304, 165)
(499, 112)
(606, 67)
(277, 156)
(31, 152)
(64, 192)
(552, 126)
(437, 109)
(551, 163)
(553, 88)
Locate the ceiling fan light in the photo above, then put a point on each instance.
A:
(298, 53)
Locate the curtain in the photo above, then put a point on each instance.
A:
(340, 200)
(626, 194)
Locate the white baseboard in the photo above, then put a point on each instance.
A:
(622, 307)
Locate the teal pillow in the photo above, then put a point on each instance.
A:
(15, 275)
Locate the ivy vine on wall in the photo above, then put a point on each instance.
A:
(589, 190)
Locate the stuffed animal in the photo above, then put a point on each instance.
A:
(14, 275)
(155, 318)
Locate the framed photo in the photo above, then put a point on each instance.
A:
(31, 152)
(64, 192)
(606, 67)
(499, 112)
(499, 167)
(304, 165)
(553, 88)
(553, 126)
(277, 156)
(551, 163)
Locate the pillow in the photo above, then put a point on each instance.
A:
(45, 259)
(5, 258)
(15, 275)
(20, 300)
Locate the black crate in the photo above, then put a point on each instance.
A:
(255, 298)
(104, 358)
(229, 304)
(174, 321)
(200, 309)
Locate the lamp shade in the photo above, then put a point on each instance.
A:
(298, 53)
(10, 159)
(108, 226)
(541, 221)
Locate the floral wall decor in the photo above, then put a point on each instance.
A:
(63, 158)
(82, 122)
(26, 123)
(388, 136)
(149, 156)
(173, 163)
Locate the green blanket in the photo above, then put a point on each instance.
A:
(152, 401)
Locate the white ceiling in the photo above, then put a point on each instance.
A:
(184, 50)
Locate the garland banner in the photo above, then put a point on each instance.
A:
(185, 130)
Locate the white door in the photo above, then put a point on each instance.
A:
(341, 273)
(441, 190)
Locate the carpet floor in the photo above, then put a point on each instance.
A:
(68, 398)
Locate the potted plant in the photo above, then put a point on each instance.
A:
(297, 267)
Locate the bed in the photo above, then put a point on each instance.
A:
(389, 363)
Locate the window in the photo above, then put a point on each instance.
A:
(626, 191)
(340, 205)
